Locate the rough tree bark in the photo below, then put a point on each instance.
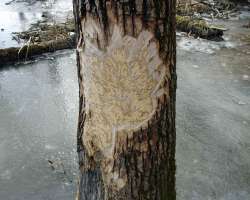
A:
(126, 61)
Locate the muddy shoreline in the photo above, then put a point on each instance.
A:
(49, 38)
(43, 36)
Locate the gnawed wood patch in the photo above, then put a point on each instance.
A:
(122, 84)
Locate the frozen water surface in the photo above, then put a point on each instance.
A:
(213, 118)
(38, 121)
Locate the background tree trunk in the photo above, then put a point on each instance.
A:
(126, 61)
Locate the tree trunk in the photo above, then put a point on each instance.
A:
(126, 61)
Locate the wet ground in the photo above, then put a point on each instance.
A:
(38, 119)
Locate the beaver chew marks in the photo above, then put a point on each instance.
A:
(121, 86)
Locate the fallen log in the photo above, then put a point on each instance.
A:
(198, 28)
(14, 54)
